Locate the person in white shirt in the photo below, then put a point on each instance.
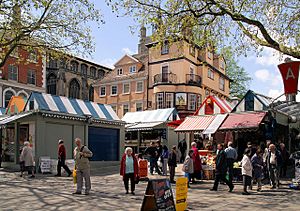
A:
(247, 170)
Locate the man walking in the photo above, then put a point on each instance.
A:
(274, 161)
(221, 169)
(285, 159)
(62, 159)
(82, 164)
(182, 146)
(172, 162)
(153, 152)
(231, 156)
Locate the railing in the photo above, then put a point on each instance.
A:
(165, 78)
(194, 79)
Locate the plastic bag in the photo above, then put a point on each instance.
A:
(74, 176)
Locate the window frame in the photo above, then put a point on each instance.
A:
(31, 76)
(136, 88)
(165, 48)
(116, 108)
(136, 107)
(13, 74)
(124, 88)
(167, 100)
(210, 74)
(120, 71)
(162, 100)
(190, 103)
(100, 91)
(123, 108)
(111, 90)
(130, 69)
(222, 85)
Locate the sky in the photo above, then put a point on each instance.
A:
(114, 39)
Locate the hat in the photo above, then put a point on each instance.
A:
(60, 141)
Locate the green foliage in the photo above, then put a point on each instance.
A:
(60, 25)
(243, 24)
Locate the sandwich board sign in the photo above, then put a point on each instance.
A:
(181, 193)
(158, 196)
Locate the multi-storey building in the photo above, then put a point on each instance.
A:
(73, 77)
(176, 75)
(23, 72)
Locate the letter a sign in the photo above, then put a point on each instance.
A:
(290, 72)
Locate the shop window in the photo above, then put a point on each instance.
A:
(126, 88)
(125, 109)
(51, 84)
(139, 86)
(13, 72)
(114, 90)
(222, 84)
(159, 100)
(169, 100)
(31, 77)
(102, 91)
(139, 106)
(7, 96)
(74, 89)
(192, 101)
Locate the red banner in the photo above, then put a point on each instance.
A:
(290, 72)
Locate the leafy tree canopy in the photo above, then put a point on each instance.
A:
(61, 25)
(243, 24)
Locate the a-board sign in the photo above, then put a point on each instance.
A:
(181, 193)
(45, 164)
(158, 196)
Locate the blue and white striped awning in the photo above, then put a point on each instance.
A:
(52, 103)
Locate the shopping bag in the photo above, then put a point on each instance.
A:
(74, 176)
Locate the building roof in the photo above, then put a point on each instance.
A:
(64, 105)
(158, 115)
(220, 106)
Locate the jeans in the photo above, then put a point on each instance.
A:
(189, 176)
(87, 178)
(165, 166)
(274, 175)
(62, 163)
(132, 181)
(230, 162)
(221, 177)
(153, 164)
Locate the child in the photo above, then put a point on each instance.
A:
(247, 170)
(188, 166)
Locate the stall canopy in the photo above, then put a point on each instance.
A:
(243, 121)
(215, 124)
(148, 120)
(14, 118)
(288, 108)
(214, 105)
(16, 105)
(195, 123)
(64, 105)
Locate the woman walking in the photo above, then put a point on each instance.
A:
(258, 168)
(188, 166)
(27, 158)
(247, 170)
(129, 170)
(164, 159)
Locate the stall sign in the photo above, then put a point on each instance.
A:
(181, 193)
(45, 164)
(290, 72)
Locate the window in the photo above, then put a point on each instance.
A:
(210, 74)
(51, 84)
(8, 95)
(84, 68)
(132, 69)
(31, 77)
(91, 93)
(53, 63)
(139, 106)
(207, 92)
(74, 66)
(120, 71)
(192, 102)
(74, 89)
(32, 56)
(165, 48)
(209, 55)
(126, 88)
(93, 71)
(139, 86)
(169, 100)
(199, 101)
(192, 51)
(102, 91)
(222, 83)
(13, 72)
(114, 107)
(101, 73)
(159, 100)
(114, 90)
(125, 109)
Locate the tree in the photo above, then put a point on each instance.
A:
(60, 25)
(240, 78)
(243, 24)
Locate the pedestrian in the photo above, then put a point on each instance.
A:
(27, 157)
(258, 168)
(159, 154)
(247, 170)
(221, 169)
(164, 159)
(265, 155)
(285, 160)
(182, 146)
(197, 163)
(252, 148)
(231, 156)
(129, 170)
(274, 162)
(82, 165)
(62, 154)
(172, 162)
(188, 166)
(152, 152)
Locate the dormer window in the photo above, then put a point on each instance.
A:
(120, 71)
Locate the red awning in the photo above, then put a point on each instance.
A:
(245, 120)
(195, 123)
(175, 123)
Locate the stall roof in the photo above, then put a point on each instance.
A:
(215, 124)
(219, 106)
(159, 115)
(288, 108)
(60, 104)
(245, 120)
(195, 123)
(14, 118)
(143, 126)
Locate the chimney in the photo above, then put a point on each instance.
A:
(142, 49)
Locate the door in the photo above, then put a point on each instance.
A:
(104, 143)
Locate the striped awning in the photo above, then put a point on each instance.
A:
(143, 126)
(195, 123)
(215, 124)
(14, 118)
(76, 107)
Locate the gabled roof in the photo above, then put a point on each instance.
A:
(220, 106)
(158, 115)
(127, 55)
(59, 104)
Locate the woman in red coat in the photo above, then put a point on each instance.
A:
(129, 169)
(196, 162)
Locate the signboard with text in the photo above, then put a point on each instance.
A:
(181, 193)
(290, 73)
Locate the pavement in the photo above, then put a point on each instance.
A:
(46, 192)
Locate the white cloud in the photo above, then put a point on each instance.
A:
(269, 57)
(275, 93)
(108, 62)
(128, 51)
(262, 75)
